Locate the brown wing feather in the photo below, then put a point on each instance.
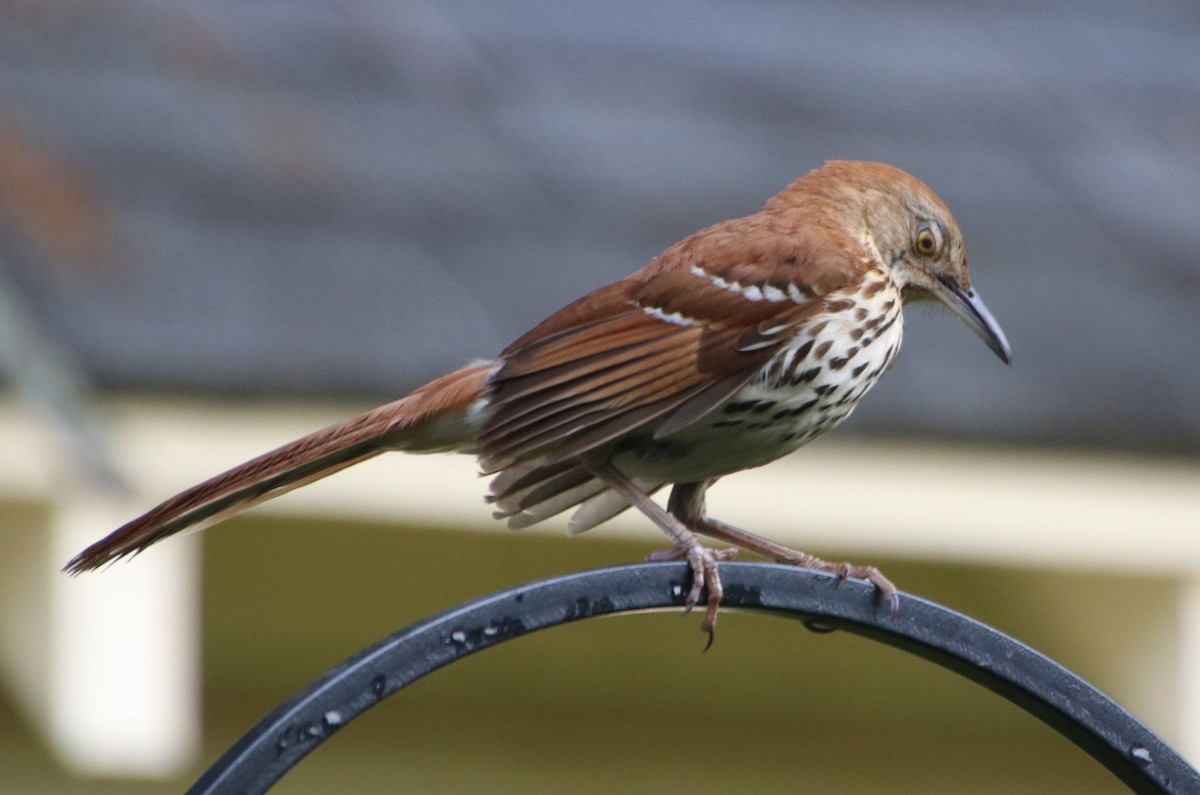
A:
(586, 426)
(627, 384)
(600, 360)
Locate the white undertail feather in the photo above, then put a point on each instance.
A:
(604, 506)
(527, 493)
(553, 505)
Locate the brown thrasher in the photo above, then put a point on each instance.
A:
(733, 347)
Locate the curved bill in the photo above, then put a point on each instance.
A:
(970, 309)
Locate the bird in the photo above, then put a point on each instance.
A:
(730, 349)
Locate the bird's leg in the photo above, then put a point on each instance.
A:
(691, 513)
(702, 559)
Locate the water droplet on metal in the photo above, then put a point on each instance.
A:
(289, 737)
(1141, 754)
(378, 684)
(332, 718)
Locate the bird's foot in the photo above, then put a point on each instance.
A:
(887, 591)
(781, 554)
(703, 561)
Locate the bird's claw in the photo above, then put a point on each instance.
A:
(887, 591)
(705, 574)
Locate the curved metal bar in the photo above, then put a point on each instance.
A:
(1030, 680)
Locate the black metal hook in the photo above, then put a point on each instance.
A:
(1025, 677)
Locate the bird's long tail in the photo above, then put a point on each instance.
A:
(434, 417)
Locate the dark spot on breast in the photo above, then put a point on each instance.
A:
(817, 328)
(726, 423)
(824, 389)
(795, 410)
(837, 363)
(856, 333)
(881, 329)
(857, 371)
(822, 349)
(873, 288)
(803, 351)
(806, 376)
(754, 406)
(860, 313)
(772, 373)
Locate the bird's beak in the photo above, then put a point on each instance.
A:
(970, 309)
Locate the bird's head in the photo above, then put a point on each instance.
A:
(918, 239)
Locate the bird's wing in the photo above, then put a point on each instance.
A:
(663, 347)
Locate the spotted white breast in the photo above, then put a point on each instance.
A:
(804, 390)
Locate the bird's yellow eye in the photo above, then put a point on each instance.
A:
(927, 241)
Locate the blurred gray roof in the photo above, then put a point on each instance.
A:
(313, 198)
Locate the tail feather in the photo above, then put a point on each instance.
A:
(604, 506)
(432, 418)
(552, 506)
(530, 492)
